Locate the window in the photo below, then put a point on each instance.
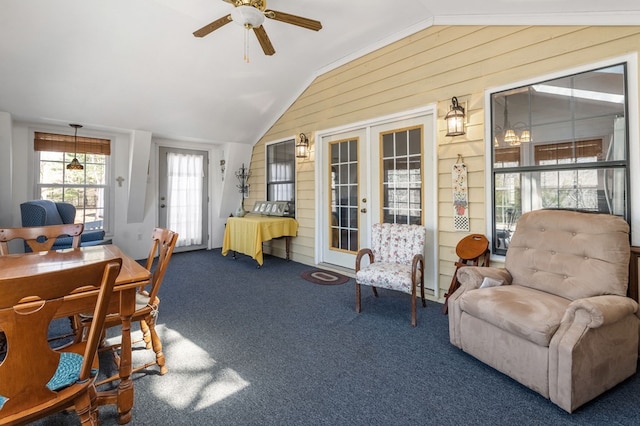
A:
(402, 176)
(86, 189)
(560, 144)
(281, 173)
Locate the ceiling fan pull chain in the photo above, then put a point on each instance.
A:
(246, 45)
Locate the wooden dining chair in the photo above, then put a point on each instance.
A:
(40, 238)
(472, 250)
(147, 302)
(36, 380)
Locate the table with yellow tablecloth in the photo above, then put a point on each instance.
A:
(246, 234)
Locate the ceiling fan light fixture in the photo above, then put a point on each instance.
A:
(247, 16)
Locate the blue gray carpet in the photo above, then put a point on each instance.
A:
(248, 346)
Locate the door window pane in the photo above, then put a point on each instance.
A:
(343, 230)
(402, 176)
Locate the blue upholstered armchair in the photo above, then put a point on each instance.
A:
(47, 212)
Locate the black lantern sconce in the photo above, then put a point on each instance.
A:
(455, 119)
(302, 147)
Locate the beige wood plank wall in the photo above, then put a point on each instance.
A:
(430, 67)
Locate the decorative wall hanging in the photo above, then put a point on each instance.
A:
(460, 196)
(243, 175)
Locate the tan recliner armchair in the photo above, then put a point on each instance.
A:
(560, 322)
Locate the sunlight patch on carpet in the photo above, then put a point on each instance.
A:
(195, 380)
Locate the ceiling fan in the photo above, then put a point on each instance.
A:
(251, 14)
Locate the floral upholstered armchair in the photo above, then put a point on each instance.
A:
(395, 262)
(556, 318)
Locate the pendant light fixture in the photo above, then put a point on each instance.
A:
(75, 164)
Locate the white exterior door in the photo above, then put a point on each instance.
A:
(182, 198)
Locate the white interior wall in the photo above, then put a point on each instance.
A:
(130, 232)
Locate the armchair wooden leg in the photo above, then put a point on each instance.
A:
(414, 321)
(375, 291)
(358, 298)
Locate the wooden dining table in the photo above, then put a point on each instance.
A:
(132, 275)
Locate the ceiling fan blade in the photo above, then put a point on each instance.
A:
(310, 24)
(263, 38)
(209, 28)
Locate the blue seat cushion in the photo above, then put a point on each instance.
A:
(67, 373)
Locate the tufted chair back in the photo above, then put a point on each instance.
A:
(46, 212)
(395, 262)
(396, 243)
(570, 254)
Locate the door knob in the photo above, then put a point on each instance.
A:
(363, 210)
(162, 206)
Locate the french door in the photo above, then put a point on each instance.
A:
(182, 197)
(345, 205)
(381, 172)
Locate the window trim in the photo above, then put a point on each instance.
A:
(633, 130)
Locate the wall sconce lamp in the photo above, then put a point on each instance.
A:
(455, 119)
(302, 147)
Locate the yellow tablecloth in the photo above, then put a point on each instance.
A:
(246, 234)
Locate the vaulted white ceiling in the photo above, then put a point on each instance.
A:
(135, 65)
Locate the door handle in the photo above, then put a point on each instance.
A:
(364, 210)
(162, 206)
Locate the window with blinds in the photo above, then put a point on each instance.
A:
(281, 173)
(86, 189)
(562, 144)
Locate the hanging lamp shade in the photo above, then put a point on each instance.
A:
(75, 164)
(525, 136)
(511, 138)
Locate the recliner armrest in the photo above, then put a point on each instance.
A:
(470, 277)
(597, 311)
